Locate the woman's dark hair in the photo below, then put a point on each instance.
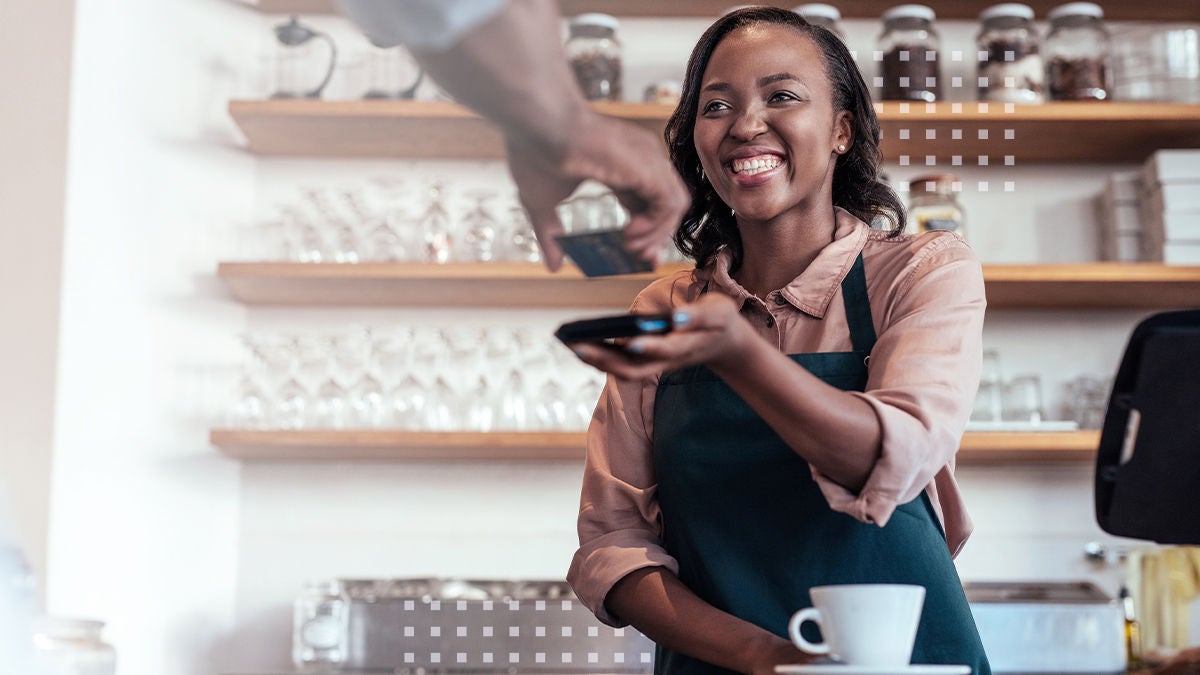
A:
(709, 225)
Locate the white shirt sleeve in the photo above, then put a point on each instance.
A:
(423, 25)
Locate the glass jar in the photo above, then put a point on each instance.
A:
(320, 626)
(595, 56)
(1076, 53)
(392, 73)
(910, 54)
(1010, 67)
(820, 14)
(72, 647)
(933, 204)
(17, 599)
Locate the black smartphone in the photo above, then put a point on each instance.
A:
(606, 328)
(600, 253)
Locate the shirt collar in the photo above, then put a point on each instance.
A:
(812, 291)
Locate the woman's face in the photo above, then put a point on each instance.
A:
(765, 128)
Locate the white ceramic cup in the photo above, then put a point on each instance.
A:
(862, 624)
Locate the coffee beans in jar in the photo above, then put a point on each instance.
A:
(933, 204)
(1076, 53)
(1010, 67)
(910, 54)
(594, 53)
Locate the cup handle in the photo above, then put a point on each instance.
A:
(806, 614)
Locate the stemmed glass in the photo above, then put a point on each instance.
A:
(436, 229)
(250, 408)
(366, 395)
(344, 240)
(521, 239)
(331, 408)
(386, 221)
(292, 399)
(479, 230)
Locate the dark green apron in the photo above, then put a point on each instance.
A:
(752, 531)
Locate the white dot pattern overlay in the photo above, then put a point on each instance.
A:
(464, 635)
(982, 137)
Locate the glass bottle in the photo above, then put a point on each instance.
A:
(1076, 53)
(910, 54)
(933, 205)
(594, 53)
(72, 647)
(1010, 67)
(820, 14)
(1133, 637)
(320, 626)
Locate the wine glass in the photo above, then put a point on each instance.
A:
(436, 229)
(366, 396)
(292, 398)
(478, 242)
(523, 245)
(331, 408)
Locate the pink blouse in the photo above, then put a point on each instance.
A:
(927, 303)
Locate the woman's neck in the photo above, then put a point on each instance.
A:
(776, 252)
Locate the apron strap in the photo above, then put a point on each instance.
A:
(858, 308)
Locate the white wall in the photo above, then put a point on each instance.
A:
(144, 513)
(194, 560)
(33, 150)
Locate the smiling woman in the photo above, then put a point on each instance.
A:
(798, 425)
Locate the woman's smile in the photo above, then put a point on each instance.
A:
(749, 170)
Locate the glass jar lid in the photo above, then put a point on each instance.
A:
(1007, 9)
(1088, 9)
(818, 9)
(922, 12)
(595, 20)
(933, 184)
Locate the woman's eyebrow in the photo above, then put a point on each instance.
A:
(777, 77)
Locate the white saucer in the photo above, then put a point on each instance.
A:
(842, 669)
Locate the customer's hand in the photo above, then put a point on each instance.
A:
(709, 331)
(630, 160)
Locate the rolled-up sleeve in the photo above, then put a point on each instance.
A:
(620, 525)
(923, 375)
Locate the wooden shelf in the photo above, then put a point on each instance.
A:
(1164, 10)
(428, 285)
(396, 445)
(1054, 132)
(393, 444)
(1092, 286)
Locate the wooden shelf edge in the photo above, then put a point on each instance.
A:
(950, 111)
(1054, 132)
(1058, 286)
(397, 445)
(1168, 10)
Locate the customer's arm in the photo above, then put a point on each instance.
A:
(511, 68)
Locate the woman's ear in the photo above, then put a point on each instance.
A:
(843, 131)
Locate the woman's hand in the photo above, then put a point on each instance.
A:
(709, 331)
(780, 652)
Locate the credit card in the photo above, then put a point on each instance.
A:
(601, 253)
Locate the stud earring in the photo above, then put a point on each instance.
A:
(703, 178)
(841, 148)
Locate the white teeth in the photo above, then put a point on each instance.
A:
(753, 165)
